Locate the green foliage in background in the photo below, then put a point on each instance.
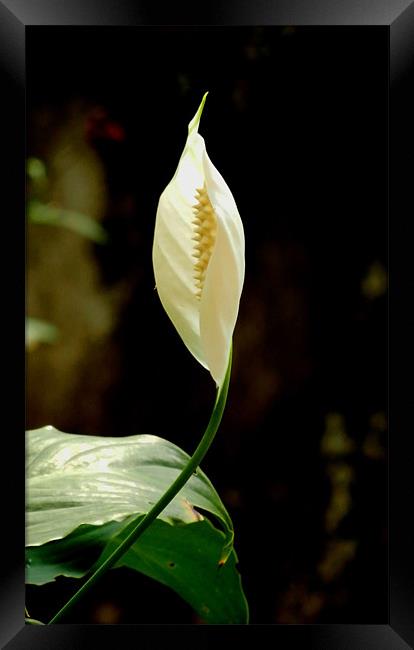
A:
(38, 331)
(43, 213)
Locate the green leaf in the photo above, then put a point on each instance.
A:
(74, 480)
(38, 331)
(72, 556)
(36, 169)
(32, 621)
(181, 556)
(44, 213)
(185, 559)
(84, 491)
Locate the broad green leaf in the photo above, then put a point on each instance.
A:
(74, 480)
(38, 331)
(181, 556)
(72, 556)
(45, 213)
(186, 561)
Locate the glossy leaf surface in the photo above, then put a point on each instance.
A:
(73, 480)
(182, 557)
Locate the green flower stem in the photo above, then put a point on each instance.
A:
(168, 496)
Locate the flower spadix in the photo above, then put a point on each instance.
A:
(198, 255)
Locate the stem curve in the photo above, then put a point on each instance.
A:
(168, 496)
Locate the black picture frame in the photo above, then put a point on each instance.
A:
(15, 17)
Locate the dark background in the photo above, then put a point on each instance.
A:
(296, 123)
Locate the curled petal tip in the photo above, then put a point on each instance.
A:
(194, 124)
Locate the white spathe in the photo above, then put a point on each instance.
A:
(199, 270)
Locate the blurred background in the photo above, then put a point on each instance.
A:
(295, 121)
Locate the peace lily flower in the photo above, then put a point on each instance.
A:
(198, 255)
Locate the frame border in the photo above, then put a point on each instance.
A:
(15, 16)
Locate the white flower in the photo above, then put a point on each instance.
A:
(198, 255)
